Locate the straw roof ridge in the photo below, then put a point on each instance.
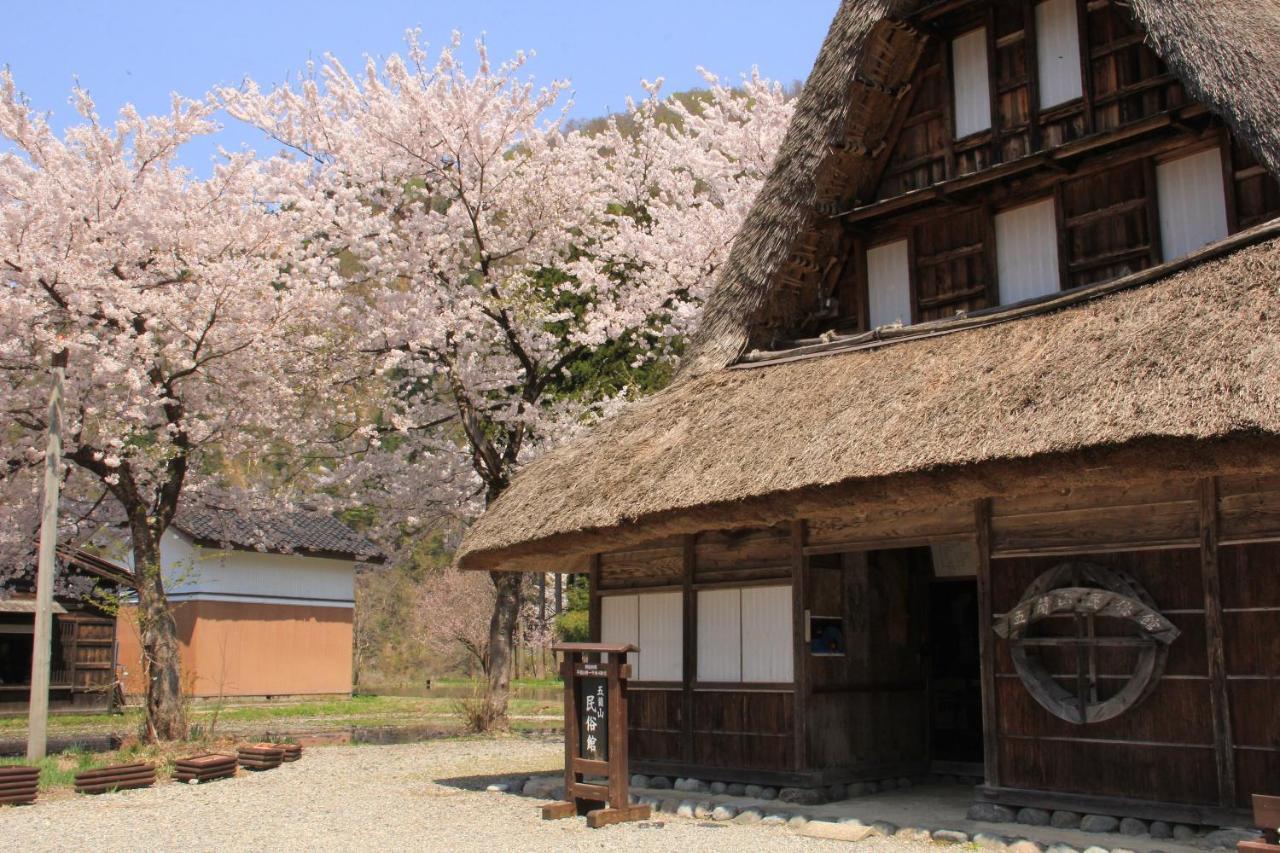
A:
(1192, 356)
(1226, 53)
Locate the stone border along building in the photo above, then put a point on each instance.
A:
(973, 465)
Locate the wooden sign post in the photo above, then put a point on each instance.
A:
(595, 735)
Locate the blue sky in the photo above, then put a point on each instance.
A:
(139, 51)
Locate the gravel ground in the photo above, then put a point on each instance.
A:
(414, 796)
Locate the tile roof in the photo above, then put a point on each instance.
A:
(298, 531)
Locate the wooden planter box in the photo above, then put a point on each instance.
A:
(260, 756)
(19, 784)
(140, 774)
(204, 768)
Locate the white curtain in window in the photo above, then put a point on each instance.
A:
(1027, 251)
(767, 654)
(889, 284)
(1058, 52)
(971, 82)
(620, 622)
(661, 637)
(719, 635)
(1193, 202)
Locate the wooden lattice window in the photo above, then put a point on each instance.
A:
(1096, 621)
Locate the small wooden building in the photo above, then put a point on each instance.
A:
(264, 604)
(974, 461)
(82, 671)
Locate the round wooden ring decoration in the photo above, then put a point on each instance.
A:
(1086, 591)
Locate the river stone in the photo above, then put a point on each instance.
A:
(1182, 832)
(749, 816)
(991, 813)
(693, 786)
(1066, 820)
(736, 789)
(1099, 823)
(773, 820)
(1061, 848)
(950, 836)
(1024, 845)
(531, 788)
(796, 821)
(1096, 850)
(990, 841)
(1033, 817)
(801, 796)
(718, 787)
(639, 780)
(557, 793)
(913, 833)
(703, 809)
(753, 791)
(1122, 850)
(1160, 829)
(660, 783)
(724, 811)
(861, 789)
(769, 794)
(1133, 826)
(670, 805)
(883, 827)
(1230, 837)
(498, 787)
(834, 793)
(836, 831)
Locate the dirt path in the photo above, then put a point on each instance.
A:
(414, 796)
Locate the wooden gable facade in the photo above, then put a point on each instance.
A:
(1102, 639)
(1076, 116)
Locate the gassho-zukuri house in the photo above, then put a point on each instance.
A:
(973, 464)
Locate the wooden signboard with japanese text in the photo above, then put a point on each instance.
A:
(596, 772)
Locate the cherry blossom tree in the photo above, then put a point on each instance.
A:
(191, 329)
(508, 278)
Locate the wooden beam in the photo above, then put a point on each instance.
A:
(1224, 752)
(986, 644)
(689, 648)
(800, 667)
(593, 598)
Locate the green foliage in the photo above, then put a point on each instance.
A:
(574, 625)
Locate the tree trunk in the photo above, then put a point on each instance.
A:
(166, 716)
(502, 634)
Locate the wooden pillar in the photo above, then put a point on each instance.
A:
(1220, 706)
(986, 645)
(593, 598)
(800, 666)
(689, 650)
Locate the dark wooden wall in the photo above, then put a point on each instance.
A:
(1094, 156)
(739, 728)
(1164, 748)
(1207, 551)
(868, 708)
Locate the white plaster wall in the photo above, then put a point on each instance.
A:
(194, 572)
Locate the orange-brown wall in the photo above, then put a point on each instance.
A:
(247, 649)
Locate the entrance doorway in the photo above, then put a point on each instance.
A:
(955, 680)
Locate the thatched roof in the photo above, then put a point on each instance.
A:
(1195, 355)
(1226, 52)
(1192, 355)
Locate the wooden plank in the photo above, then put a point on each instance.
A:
(1165, 524)
(986, 645)
(593, 598)
(623, 814)
(800, 649)
(619, 781)
(1220, 703)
